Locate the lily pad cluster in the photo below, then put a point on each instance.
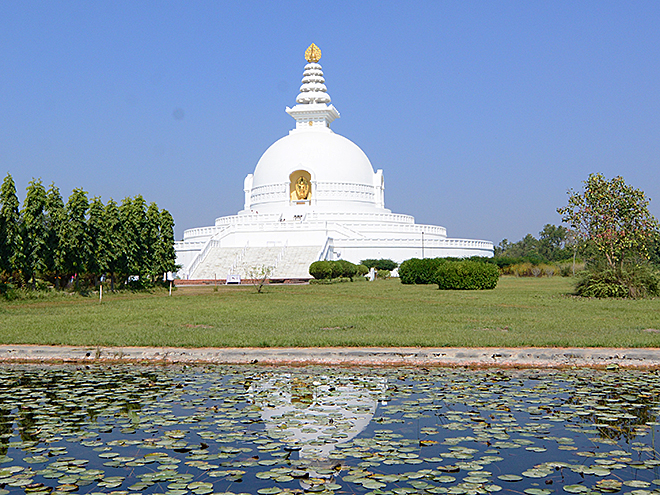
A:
(126, 430)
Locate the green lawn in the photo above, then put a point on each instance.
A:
(519, 312)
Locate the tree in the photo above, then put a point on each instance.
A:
(11, 243)
(76, 241)
(56, 221)
(152, 238)
(34, 231)
(258, 275)
(615, 229)
(165, 252)
(552, 242)
(111, 241)
(133, 217)
(96, 261)
(613, 218)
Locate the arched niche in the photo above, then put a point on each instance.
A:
(300, 186)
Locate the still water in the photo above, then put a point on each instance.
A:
(254, 429)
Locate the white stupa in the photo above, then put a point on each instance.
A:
(313, 196)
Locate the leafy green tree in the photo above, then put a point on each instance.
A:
(134, 221)
(34, 230)
(151, 242)
(165, 252)
(613, 218)
(111, 242)
(56, 219)
(77, 241)
(552, 243)
(96, 260)
(11, 242)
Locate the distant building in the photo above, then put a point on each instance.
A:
(313, 196)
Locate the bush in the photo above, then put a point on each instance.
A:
(381, 264)
(325, 270)
(321, 270)
(416, 271)
(383, 274)
(348, 269)
(466, 275)
(633, 280)
(362, 270)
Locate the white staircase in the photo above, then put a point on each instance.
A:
(216, 264)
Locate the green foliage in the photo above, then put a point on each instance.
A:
(617, 235)
(321, 270)
(466, 275)
(380, 264)
(50, 241)
(348, 269)
(327, 270)
(383, 274)
(527, 269)
(553, 244)
(362, 270)
(77, 245)
(632, 280)
(419, 271)
(34, 231)
(613, 218)
(56, 219)
(11, 242)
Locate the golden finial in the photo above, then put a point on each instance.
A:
(313, 54)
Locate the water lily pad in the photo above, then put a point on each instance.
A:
(575, 488)
(510, 477)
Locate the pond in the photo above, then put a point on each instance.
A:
(127, 429)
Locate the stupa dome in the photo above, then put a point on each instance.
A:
(327, 156)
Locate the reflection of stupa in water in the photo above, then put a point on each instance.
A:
(313, 413)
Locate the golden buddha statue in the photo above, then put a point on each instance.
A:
(302, 190)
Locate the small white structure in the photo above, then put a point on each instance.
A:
(313, 196)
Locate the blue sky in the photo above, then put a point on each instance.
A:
(481, 114)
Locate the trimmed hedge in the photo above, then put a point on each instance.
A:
(466, 275)
(416, 271)
(321, 270)
(327, 270)
(381, 264)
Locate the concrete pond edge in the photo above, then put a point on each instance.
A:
(518, 357)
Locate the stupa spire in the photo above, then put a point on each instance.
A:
(313, 110)
(313, 89)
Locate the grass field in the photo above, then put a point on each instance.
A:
(519, 312)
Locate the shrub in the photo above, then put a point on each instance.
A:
(321, 270)
(466, 275)
(416, 271)
(348, 269)
(362, 270)
(381, 264)
(634, 280)
(383, 274)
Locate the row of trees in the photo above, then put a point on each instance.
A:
(555, 243)
(81, 240)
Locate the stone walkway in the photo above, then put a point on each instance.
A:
(549, 357)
